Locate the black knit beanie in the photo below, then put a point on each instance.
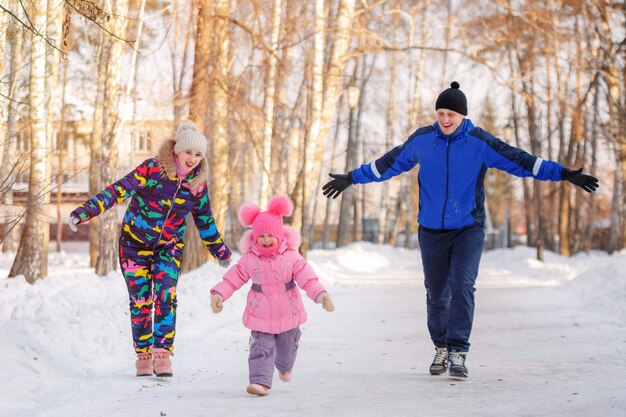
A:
(452, 99)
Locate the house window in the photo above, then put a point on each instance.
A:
(142, 141)
(21, 142)
(64, 141)
(22, 177)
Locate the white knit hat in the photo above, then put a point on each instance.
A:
(188, 136)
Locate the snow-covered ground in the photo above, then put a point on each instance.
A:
(549, 339)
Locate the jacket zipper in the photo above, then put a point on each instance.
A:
(445, 201)
(169, 211)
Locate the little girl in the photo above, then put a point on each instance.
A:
(164, 190)
(274, 309)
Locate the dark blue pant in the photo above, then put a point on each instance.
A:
(450, 260)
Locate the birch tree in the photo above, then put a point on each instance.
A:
(220, 171)
(113, 50)
(199, 93)
(269, 102)
(31, 259)
(15, 40)
(609, 71)
(182, 29)
(95, 181)
(211, 89)
(54, 107)
(320, 126)
(194, 253)
(385, 206)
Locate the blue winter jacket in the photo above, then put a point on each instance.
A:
(452, 172)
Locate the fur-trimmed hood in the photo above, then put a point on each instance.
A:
(292, 240)
(273, 305)
(167, 165)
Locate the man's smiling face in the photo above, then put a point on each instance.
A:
(449, 120)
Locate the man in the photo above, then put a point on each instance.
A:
(454, 157)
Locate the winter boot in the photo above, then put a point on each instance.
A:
(457, 364)
(285, 376)
(143, 364)
(440, 363)
(258, 389)
(162, 362)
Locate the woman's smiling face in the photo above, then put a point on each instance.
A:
(189, 159)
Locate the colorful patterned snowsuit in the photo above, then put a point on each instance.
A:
(151, 242)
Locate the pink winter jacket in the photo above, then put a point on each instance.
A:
(276, 308)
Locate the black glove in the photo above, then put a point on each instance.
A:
(586, 182)
(336, 186)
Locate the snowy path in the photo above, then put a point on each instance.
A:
(370, 358)
(537, 351)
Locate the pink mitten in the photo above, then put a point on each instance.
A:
(324, 299)
(216, 303)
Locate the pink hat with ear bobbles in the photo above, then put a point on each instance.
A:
(270, 221)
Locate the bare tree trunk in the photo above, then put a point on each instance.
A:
(199, 94)
(53, 64)
(283, 124)
(315, 129)
(399, 219)
(4, 18)
(361, 156)
(578, 127)
(527, 67)
(347, 210)
(515, 116)
(269, 103)
(31, 259)
(385, 204)
(614, 231)
(622, 139)
(333, 155)
(132, 69)
(449, 29)
(60, 153)
(95, 182)
(594, 149)
(220, 177)
(410, 186)
(567, 236)
(616, 119)
(112, 53)
(16, 41)
(211, 26)
(179, 103)
(332, 88)
(552, 202)
(195, 254)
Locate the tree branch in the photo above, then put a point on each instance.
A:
(29, 26)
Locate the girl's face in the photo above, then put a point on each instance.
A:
(189, 159)
(266, 240)
(449, 121)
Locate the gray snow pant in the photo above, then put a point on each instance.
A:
(269, 350)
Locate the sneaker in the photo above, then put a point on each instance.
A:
(285, 376)
(143, 364)
(258, 389)
(457, 364)
(162, 362)
(440, 363)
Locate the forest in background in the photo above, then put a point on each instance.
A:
(289, 90)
